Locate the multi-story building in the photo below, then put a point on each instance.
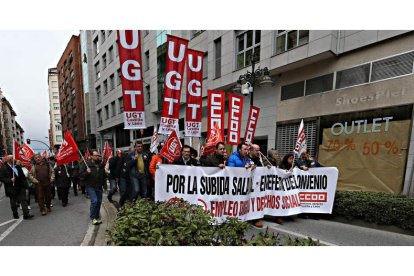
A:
(72, 108)
(9, 129)
(55, 130)
(353, 89)
(19, 134)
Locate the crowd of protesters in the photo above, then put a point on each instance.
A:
(131, 173)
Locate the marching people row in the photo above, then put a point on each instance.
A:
(130, 173)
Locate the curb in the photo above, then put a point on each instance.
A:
(273, 227)
(96, 234)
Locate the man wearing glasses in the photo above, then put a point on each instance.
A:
(92, 177)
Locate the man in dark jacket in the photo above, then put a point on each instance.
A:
(138, 166)
(62, 181)
(185, 158)
(74, 176)
(115, 166)
(92, 177)
(13, 178)
(216, 159)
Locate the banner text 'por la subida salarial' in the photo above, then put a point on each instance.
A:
(248, 194)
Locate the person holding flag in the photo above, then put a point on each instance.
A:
(92, 174)
(138, 166)
(13, 178)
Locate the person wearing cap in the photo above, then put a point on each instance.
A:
(115, 166)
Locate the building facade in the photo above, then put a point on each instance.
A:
(9, 129)
(353, 89)
(71, 98)
(55, 130)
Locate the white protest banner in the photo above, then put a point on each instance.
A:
(247, 194)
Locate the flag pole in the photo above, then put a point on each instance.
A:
(83, 159)
(67, 173)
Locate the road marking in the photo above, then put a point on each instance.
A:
(10, 229)
(7, 222)
(274, 227)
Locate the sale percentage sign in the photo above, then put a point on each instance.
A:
(349, 144)
(391, 146)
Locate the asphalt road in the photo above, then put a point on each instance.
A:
(63, 226)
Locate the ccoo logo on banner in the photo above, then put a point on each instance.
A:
(246, 194)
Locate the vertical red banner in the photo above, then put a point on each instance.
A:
(234, 119)
(175, 64)
(251, 124)
(215, 110)
(129, 45)
(194, 93)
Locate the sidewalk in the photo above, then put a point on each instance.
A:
(328, 232)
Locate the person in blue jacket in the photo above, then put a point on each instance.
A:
(240, 157)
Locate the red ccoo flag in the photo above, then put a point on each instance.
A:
(172, 147)
(19, 154)
(68, 151)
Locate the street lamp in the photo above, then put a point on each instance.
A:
(247, 82)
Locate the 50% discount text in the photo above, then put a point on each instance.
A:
(368, 147)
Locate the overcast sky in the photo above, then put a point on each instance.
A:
(25, 57)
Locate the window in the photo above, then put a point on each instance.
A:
(105, 87)
(99, 113)
(146, 62)
(55, 97)
(319, 84)
(102, 36)
(103, 61)
(118, 76)
(205, 66)
(217, 58)
(392, 67)
(196, 33)
(148, 93)
(54, 84)
(70, 57)
(248, 48)
(98, 94)
(72, 75)
(73, 91)
(162, 37)
(111, 54)
(293, 90)
(286, 137)
(96, 45)
(352, 76)
(58, 138)
(112, 82)
(287, 40)
(97, 70)
(121, 105)
(56, 106)
(113, 111)
(106, 112)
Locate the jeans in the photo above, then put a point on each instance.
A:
(112, 188)
(122, 191)
(139, 184)
(95, 196)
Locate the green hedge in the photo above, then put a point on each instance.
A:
(380, 208)
(182, 224)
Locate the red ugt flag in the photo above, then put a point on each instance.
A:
(107, 152)
(172, 148)
(213, 139)
(68, 151)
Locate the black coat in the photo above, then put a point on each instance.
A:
(213, 160)
(180, 161)
(61, 178)
(95, 179)
(6, 175)
(115, 167)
